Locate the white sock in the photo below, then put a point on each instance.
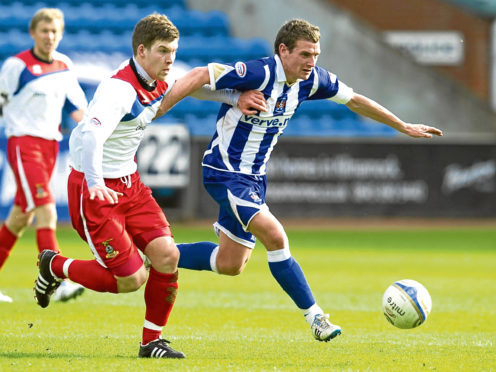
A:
(311, 312)
(213, 259)
(65, 267)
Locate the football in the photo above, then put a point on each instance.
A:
(406, 304)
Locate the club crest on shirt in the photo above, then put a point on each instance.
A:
(280, 105)
(240, 69)
(40, 190)
(111, 253)
(37, 69)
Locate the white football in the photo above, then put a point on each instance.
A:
(406, 304)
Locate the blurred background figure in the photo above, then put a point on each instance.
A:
(35, 85)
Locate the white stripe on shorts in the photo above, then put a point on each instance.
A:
(87, 233)
(24, 182)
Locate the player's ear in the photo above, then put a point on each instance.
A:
(283, 48)
(140, 51)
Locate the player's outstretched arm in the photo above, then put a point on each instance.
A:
(183, 87)
(371, 109)
(248, 102)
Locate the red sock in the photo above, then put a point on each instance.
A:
(160, 294)
(46, 239)
(7, 241)
(88, 273)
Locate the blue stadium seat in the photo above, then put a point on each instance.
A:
(159, 4)
(202, 50)
(213, 23)
(13, 42)
(16, 16)
(201, 126)
(194, 107)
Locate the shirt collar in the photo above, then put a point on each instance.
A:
(280, 74)
(141, 71)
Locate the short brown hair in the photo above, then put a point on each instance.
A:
(151, 28)
(294, 30)
(47, 15)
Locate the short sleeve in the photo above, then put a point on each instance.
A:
(239, 75)
(328, 86)
(343, 95)
(9, 76)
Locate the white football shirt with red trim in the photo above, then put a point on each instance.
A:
(36, 92)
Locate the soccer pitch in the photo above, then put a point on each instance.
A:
(247, 323)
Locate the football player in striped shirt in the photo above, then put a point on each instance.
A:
(235, 161)
(35, 85)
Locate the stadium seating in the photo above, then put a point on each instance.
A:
(93, 27)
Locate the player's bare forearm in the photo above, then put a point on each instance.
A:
(371, 109)
(183, 87)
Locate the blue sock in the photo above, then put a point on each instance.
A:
(196, 256)
(290, 277)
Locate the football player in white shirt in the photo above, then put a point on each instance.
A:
(35, 85)
(235, 161)
(112, 210)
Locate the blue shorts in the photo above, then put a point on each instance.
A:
(240, 198)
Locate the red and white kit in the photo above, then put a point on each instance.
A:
(34, 93)
(103, 147)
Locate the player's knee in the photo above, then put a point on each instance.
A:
(276, 241)
(17, 222)
(46, 216)
(230, 268)
(167, 260)
(131, 283)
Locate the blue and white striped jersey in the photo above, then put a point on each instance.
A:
(243, 143)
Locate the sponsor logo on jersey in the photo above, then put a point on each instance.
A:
(266, 123)
(111, 253)
(240, 69)
(96, 122)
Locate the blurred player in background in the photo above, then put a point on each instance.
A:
(234, 163)
(35, 85)
(112, 210)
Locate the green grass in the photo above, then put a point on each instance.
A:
(247, 323)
